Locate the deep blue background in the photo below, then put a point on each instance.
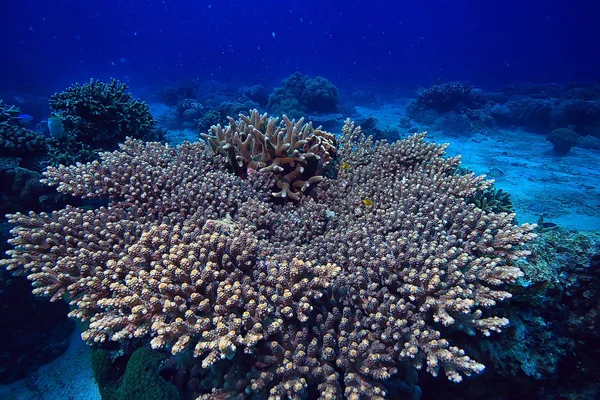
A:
(47, 45)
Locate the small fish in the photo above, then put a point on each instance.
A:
(56, 127)
(25, 118)
(367, 202)
(345, 166)
(19, 99)
(495, 173)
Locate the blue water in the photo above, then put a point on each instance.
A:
(48, 45)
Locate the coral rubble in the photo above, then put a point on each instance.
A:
(331, 295)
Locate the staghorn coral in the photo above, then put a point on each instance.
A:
(293, 151)
(329, 296)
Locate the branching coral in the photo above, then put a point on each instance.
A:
(492, 199)
(8, 113)
(293, 152)
(102, 114)
(15, 139)
(327, 296)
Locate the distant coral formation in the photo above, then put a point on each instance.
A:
(444, 97)
(457, 107)
(101, 115)
(379, 269)
(563, 140)
(300, 95)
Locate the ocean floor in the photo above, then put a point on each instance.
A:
(69, 377)
(564, 189)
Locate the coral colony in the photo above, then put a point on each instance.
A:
(294, 260)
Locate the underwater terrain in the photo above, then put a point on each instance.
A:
(300, 200)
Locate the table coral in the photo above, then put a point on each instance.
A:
(322, 295)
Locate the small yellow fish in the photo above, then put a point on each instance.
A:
(367, 202)
(345, 166)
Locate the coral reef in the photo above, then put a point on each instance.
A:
(300, 95)
(256, 93)
(492, 200)
(444, 97)
(24, 154)
(70, 151)
(98, 109)
(550, 352)
(454, 123)
(293, 152)
(370, 128)
(563, 140)
(185, 114)
(184, 89)
(454, 107)
(527, 112)
(382, 269)
(39, 331)
(457, 107)
(15, 139)
(101, 115)
(220, 113)
(197, 104)
(8, 113)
